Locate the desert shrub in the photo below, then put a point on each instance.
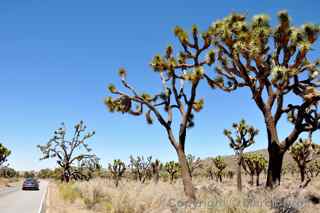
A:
(69, 192)
(8, 172)
(91, 197)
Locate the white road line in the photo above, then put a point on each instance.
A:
(43, 199)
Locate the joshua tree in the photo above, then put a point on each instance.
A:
(177, 101)
(4, 154)
(243, 138)
(273, 64)
(193, 163)
(220, 164)
(172, 168)
(209, 172)
(254, 164)
(313, 169)
(301, 153)
(140, 167)
(117, 169)
(156, 167)
(68, 152)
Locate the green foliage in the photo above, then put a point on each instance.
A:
(4, 154)
(173, 169)
(8, 172)
(29, 174)
(117, 169)
(274, 64)
(254, 164)
(45, 173)
(243, 135)
(140, 167)
(221, 165)
(69, 192)
(302, 153)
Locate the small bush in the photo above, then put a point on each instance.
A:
(69, 192)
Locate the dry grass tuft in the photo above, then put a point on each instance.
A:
(100, 196)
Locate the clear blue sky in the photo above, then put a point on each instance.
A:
(57, 57)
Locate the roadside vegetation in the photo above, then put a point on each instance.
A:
(234, 53)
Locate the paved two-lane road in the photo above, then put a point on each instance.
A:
(17, 201)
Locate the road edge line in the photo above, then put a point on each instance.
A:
(42, 206)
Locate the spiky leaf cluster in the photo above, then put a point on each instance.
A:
(180, 73)
(272, 62)
(302, 152)
(117, 168)
(254, 163)
(219, 163)
(173, 169)
(243, 135)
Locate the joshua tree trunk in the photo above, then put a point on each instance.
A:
(275, 165)
(116, 181)
(302, 173)
(257, 180)
(156, 178)
(251, 179)
(275, 153)
(171, 178)
(186, 174)
(66, 174)
(239, 178)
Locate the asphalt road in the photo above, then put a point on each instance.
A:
(15, 200)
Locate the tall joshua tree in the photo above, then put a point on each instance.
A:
(273, 64)
(177, 100)
(243, 138)
(4, 154)
(68, 153)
